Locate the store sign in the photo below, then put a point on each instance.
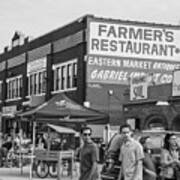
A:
(176, 83)
(125, 39)
(36, 65)
(138, 88)
(112, 70)
(9, 110)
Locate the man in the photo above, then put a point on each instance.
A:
(131, 156)
(113, 150)
(88, 156)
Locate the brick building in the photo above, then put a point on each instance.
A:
(91, 59)
(160, 110)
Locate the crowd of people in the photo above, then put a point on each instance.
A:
(136, 160)
(134, 156)
(10, 145)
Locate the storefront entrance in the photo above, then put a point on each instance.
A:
(176, 123)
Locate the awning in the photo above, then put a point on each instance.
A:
(60, 109)
(93, 120)
(61, 129)
(32, 111)
(62, 106)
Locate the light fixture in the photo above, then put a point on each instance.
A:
(110, 92)
(86, 104)
(162, 103)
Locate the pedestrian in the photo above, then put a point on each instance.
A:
(149, 170)
(88, 156)
(170, 158)
(113, 150)
(131, 156)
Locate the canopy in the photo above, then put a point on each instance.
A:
(60, 108)
(32, 111)
(61, 129)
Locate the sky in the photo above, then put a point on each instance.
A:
(37, 17)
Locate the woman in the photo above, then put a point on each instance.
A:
(170, 158)
(149, 171)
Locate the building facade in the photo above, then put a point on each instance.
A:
(92, 60)
(160, 111)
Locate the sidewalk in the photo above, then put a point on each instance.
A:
(15, 174)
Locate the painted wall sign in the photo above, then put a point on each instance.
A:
(138, 88)
(113, 70)
(176, 83)
(134, 41)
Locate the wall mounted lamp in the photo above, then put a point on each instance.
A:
(162, 103)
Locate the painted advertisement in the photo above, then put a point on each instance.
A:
(113, 70)
(130, 40)
(176, 83)
(138, 88)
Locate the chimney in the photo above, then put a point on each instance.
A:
(6, 49)
(18, 39)
(28, 39)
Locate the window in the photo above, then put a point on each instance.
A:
(65, 76)
(74, 75)
(1, 82)
(37, 83)
(14, 87)
(69, 76)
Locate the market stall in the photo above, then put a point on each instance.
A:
(60, 111)
(46, 159)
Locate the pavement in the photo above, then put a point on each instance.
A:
(15, 174)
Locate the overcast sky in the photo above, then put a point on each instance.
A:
(37, 17)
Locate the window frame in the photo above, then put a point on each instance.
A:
(37, 82)
(14, 88)
(64, 74)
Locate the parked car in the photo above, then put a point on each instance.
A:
(111, 166)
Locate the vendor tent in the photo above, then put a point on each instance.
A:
(61, 108)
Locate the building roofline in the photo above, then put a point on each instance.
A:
(133, 22)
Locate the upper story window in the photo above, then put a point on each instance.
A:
(37, 83)
(14, 87)
(1, 83)
(65, 76)
(36, 73)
